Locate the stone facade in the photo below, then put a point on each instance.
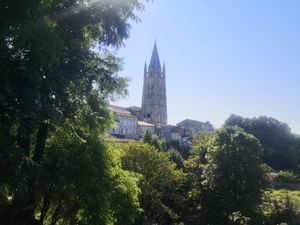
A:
(195, 126)
(154, 100)
(170, 133)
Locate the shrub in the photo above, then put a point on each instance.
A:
(286, 177)
(284, 211)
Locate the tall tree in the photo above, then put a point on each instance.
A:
(194, 212)
(160, 183)
(280, 147)
(234, 174)
(81, 180)
(50, 71)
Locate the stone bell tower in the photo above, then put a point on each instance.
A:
(154, 102)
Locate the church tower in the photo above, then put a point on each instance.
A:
(154, 102)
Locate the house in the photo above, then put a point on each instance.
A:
(126, 124)
(145, 126)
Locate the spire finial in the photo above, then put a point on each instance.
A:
(154, 62)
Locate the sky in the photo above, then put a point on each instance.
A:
(222, 57)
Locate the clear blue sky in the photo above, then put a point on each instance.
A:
(222, 57)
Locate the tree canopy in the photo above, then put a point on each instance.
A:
(160, 183)
(57, 74)
(234, 171)
(281, 149)
(225, 177)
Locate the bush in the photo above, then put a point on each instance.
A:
(284, 211)
(236, 218)
(286, 177)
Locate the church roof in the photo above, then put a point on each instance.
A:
(154, 62)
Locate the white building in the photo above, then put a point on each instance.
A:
(126, 124)
(144, 126)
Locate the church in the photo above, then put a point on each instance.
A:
(154, 101)
(133, 122)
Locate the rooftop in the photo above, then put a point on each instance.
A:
(143, 123)
(120, 110)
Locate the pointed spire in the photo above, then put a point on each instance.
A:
(145, 69)
(164, 69)
(154, 62)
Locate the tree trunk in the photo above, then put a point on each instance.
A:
(40, 142)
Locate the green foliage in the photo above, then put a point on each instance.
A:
(233, 172)
(176, 157)
(281, 207)
(266, 168)
(147, 138)
(281, 149)
(160, 182)
(81, 181)
(53, 92)
(201, 143)
(225, 178)
(195, 165)
(279, 195)
(286, 177)
(154, 140)
(57, 75)
(182, 149)
(236, 218)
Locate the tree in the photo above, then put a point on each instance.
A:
(281, 209)
(50, 71)
(81, 180)
(184, 150)
(153, 139)
(176, 157)
(201, 142)
(280, 146)
(194, 213)
(160, 183)
(233, 173)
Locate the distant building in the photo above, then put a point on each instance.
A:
(144, 126)
(133, 122)
(136, 111)
(195, 126)
(126, 123)
(170, 133)
(154, 101)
